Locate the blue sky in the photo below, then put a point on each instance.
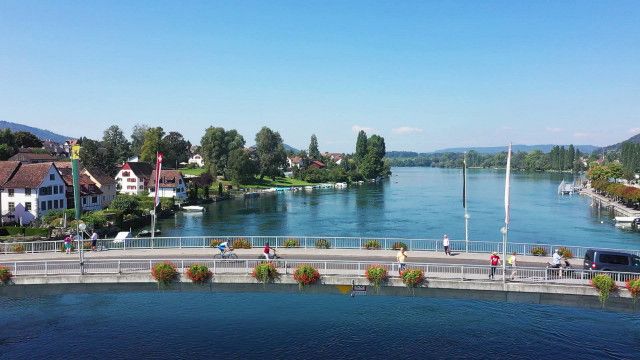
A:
(424, 74)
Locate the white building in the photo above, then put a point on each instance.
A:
(28, 191)
(105, 183)
(171, 184)
(133, 178)
(197, 159)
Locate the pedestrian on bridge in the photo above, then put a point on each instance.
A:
(494, 260)
(445, 243)
(512, 264)
(402, 259)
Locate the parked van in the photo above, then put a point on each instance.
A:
(606, 260)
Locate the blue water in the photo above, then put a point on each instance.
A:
(418, 203)
(194, 325)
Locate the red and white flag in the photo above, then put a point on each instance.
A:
(156, 200)
(507, 188)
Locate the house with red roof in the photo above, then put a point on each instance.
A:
(171, 184)
(28, 191)
(133, 177)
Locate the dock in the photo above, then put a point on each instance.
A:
(603, 201)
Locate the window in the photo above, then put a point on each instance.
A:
(55, 189)
(614, 259)
(94, 199)
(12, 206)
(52, 177)
(55, 204)
(126, 173)
(102, 198)
(131, 187)
(43, 206)
(61, 188)
(49, 204)
(84, 201)
(131, 179)
(27, 192)
(141, 187)
(27, 206)
(10, 192)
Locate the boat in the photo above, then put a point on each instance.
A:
(341, 185)
(193, 208)
(628, 220)
(147, 233)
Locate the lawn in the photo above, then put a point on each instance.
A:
(277, 182)
(196, 171)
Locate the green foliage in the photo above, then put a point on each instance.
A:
(199, 274)
(118, 149)
(314, 153)
(95, 219)
(306, 275)
(164, 273)
(412, 278)
(539, 251)
(241, 169)
(5, 275)
(137, 138)
(152, 144)
(265, 272)
(176, 149)
(241, 243)
(17, 248)
(7, 144)
(271, 154)
(565, 252)
(605, 286)
(633, 285)
(25, 139)
(292, 243)
(398, 245)
(372, 245)
(361, 146)
(323, 244)
(216, 146)
(126, 204)
(377, 275)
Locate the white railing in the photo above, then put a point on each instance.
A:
(301, 242)
(325, 267)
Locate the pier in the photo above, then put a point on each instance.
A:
(604, 202)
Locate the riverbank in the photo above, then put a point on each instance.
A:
(605, 202)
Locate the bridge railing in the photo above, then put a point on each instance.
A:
(325, 267)
(320, 242)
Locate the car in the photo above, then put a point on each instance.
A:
(608, 260)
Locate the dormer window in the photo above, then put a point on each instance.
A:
(52, 177)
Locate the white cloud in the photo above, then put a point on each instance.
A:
(634, 130)
(554, 129)
(582, 135)
(404, 130)
(357, 128)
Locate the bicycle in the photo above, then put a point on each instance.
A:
(226, 255)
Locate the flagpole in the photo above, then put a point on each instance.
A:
(464, 202)
(155, 198)
(505, 229)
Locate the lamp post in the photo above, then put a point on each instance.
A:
(466, 230)
(504, 231)
(81, 227)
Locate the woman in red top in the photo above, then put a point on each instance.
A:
(266, 251)
(495, 261)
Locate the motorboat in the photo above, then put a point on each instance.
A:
(147, 233)
(341, 185)
(193, 208)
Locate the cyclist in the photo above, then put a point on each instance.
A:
(266, 251)
(224, 247)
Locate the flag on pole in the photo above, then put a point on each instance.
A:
(156, 199)
(507, 189)
(464, 181)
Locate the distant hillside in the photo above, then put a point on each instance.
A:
(290, 148)
(634, 139)
(40, 133)
(517, 148)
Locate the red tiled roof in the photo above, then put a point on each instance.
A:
(167, 177)
(295, 160)
(140, 169)
(7, 169)
(32, 157)
(100, 176)
(29, 175)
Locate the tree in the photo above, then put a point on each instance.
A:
(241, 169)
(25, 139)
(271, 154)
(94, 155)
(7, 144)
(117, 145)
(176, 149)
(127, 204)
(372, 165)
(216, 144)
(314, 153)
(361, 146)
(137, 138)
(152, 144)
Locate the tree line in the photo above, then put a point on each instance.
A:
(11, 142)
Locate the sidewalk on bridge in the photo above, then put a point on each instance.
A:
(286, 253)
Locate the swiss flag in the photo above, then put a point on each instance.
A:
(157, 183)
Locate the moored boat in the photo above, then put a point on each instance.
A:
(193, 208)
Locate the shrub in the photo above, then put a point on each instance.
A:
(215, 242)
(538, 251)
(241, 243)
(412, 277)
(372, 245)
(633, 285)
(265, 272)
(291, 243)
(306, 275)
(17, 248)
(5, 274)
(86, 245)
(376, 274)
(605, 285)
(565, 252)
(398, 245)
(199, 274)
(323, 244)
(164, 272)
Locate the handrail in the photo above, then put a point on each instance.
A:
(302, 241)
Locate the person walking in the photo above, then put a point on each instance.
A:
(266, 251)
(402, 258)
(94, 240)
(512, 264)
(67, 244)
(494, 260)
(445, 243)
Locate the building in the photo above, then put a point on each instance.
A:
(171, 184)
(294, 161)
(335, 157)
(91, 196)
(104, 182)
(133, 177)
(197, 159)
(28, 191)
(30, 156)
(317, 164)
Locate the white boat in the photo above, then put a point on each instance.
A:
(341, 185)
(626, 219)
(193, 208)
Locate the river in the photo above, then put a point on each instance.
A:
(418, 203)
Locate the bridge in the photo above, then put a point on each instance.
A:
(341, 266)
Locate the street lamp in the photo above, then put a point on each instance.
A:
(81, 227)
